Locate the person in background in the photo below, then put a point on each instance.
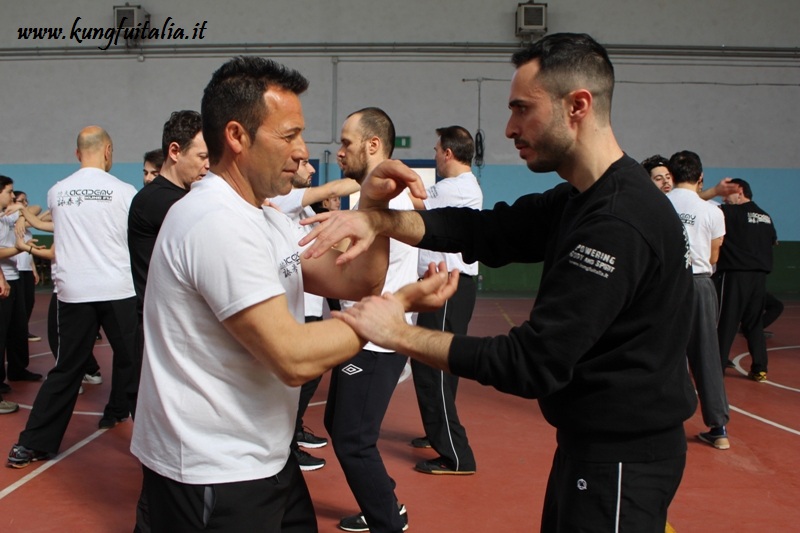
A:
(152, 164)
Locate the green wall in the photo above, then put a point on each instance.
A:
(784, 280)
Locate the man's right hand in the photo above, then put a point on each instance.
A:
(388, 180)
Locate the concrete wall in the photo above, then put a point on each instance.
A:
(715, 77)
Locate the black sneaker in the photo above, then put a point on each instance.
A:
(108, 422)
(20, 456)
(33, 338)
(358, 522)
(421, 442)
(441, 466)
(307, 461)
(306, 439)
(729, 364)
(718, 439)
(25, 375)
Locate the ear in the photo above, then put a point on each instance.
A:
(78, 154)
(236, 137)
(580, 103)
(173, 150)
(373, 146)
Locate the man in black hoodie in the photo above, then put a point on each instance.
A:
(604, 347)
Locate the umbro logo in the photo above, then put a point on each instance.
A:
(351, 370)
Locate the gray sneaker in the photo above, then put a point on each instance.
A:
(6, 407)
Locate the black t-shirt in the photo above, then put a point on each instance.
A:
(604, 347)
(147, 212)
(749, 237)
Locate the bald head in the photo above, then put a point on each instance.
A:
(94, 148)
(92, 138)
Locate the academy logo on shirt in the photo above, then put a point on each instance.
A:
(79, 196)
(592, 260)
(290, 266)
(687, 254)
(687, 218)
(758, 218)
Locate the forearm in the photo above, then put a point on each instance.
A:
(430, 347)
(35, 221)
(404, 226)
(295, 352)
(343, 187)
(8, 252)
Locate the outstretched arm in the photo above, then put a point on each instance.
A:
(342, 187)
(35, 221)
(386, 181)
(723, 188)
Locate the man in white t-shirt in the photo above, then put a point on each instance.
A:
(436, 390)
(362, 386)
(95, 288)
(297, 205)
(705, 226)
(226, 347)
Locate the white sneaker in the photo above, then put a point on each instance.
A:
(93, 379)
(6, 407)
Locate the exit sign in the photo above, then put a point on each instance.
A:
(402, 142)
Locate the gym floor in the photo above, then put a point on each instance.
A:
(93, 484)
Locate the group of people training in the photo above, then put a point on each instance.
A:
(730, 255)
(18, 278)
(219, 363)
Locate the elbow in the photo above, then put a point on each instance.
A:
(295, 376)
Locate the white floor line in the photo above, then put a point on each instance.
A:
(754, 416)
(764, 420)
(49, 464)
(768, 382)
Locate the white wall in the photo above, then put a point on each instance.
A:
(734, 112)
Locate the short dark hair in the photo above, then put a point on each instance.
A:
(181, 128)
(568, 61)
(5, 181)
(685, 167)
(374, 122)
(17, 193)
(236, 92)
(746, 190)
(459, 141)
(655, 161)
(155, 157)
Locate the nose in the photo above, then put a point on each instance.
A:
(300, 150)
(511, 128)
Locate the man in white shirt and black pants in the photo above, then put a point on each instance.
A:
(95, 288)
(436, 390)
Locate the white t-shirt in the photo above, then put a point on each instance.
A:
(703, 223)
(460, 191)
(402, 267)
(292, 205)
(208, 411)
(90, 218)
(8, 239)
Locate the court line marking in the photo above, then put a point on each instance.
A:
(50, 463)
(768, 382)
